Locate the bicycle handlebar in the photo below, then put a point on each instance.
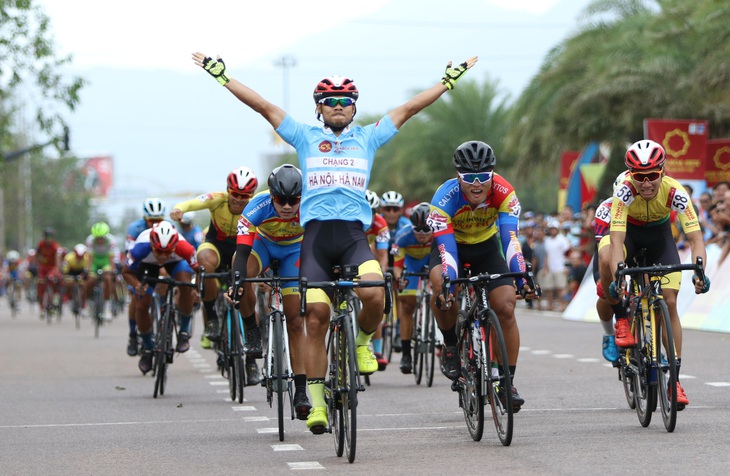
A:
(660, 269)
(346, 283)
(527, 275)
(166, 280)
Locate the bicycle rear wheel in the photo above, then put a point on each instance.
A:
(471, 378)
(279, 381)
(332, 389)
(237, 353)
(641, 367)
(627, 379)
(666, 367)
(498, 390)
(388, 332)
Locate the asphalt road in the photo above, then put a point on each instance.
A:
(73, 404)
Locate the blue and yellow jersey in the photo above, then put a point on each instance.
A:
(405, 244)
(629, 207)
(455, 222)
(260, 217)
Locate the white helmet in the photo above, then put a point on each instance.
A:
(372, 199)
(392, 199)
(154, 208)
(80, 249)
(242, 180)
(13, 255)
(163, 236)
(187, 218)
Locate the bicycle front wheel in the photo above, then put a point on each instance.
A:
(279, 381)
(429, 358)
(665, 365)
(498, 389)
(420, 343)
(236, 351)
(644, 392)
(347, 374)
(471, 378)
(160, 357)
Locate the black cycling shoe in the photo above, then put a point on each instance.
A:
(406, 364)
(145, 362)
(450, 364)
(213, 331)
(183, 342)
(252, 373)
(133, 346)
(252, 347)
(301, 404)
(517, 401)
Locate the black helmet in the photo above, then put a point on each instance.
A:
(285, 181)
(419, 215)
(474, 156)
(48, 232)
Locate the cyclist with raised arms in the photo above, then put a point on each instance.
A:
(411, 249)
(336, 161)
(216, 253)
(103, 248)
(269, 229)
(640, 211)
(474, 218)
(153, 211)
(160, 247)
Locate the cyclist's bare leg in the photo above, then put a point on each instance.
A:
(210, 261)
(373, 303)
(184, 293)
(295, 329)
(503, 300)
(670, 297)
(317, 320)
(406, 308)
(144, 321)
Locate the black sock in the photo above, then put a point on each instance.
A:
(405, 346)
(449, 336)
(300, 382)
(250, 321)
(619, 310)
(210, 313)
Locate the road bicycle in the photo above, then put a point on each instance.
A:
(424, 337)
(164, 352)
(51, 301)
(119, 294)
(278, 375)
(343, 381)
(76, 286)
(648, 370)
(97, 302)
(485, 377)
(231, 358)
(391, 336)
(12, 291)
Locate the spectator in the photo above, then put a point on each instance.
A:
(554, 278)
(538, 254)
(527, 238)
(576, 270)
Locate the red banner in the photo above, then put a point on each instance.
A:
(99, 175)
(717, 166)
(567, 164)
(685, 142)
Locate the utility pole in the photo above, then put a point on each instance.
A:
(286, 62)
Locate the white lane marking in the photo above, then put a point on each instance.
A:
(305, 465)
(589, 359)
(541, 352)
(256, 418)
(684, 376)
(564, 356)
(287, 447)
(716, 384)
(217, 383)
(244, 408)
(267, 430)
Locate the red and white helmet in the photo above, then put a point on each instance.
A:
(164, 237)
(644, 155)
(242, 180)
(339, 86)
(80, 250)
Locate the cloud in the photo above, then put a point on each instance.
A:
(536, 7)
(143, 34)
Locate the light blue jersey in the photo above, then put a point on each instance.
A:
(336, 170)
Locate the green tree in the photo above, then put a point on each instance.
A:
(419, 159)
(631, 60)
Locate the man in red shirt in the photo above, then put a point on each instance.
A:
(48, 263)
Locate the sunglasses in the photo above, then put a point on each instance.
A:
(391, 209)
(473, 178)
(239, 195)
(333, 102)
(286, 200)
(152, 221)
(422, 229)
(650, 176)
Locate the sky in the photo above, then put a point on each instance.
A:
(174, 132)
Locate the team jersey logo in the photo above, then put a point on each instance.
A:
(325, 146)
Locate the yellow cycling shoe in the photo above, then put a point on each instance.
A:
(205, 343)
(317, 420)
(366, 361)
